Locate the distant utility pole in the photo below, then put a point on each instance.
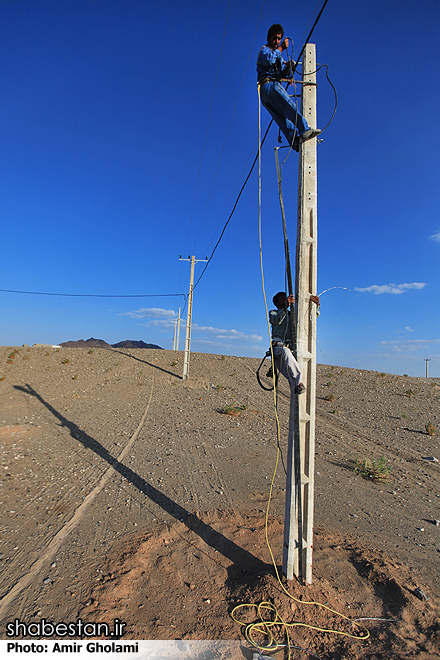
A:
(193, 261)
(427, 360)
(176, 333)
(298, 523)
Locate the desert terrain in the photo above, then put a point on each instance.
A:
(128, 493)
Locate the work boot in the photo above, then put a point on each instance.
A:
(311, 133)
(299, 389)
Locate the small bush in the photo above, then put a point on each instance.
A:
(330, 397)
(410, 393)
(430, 428)
(65, 361)
(374, 470)
(232, 410)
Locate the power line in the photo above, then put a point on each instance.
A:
(207, 126)
(230, 122)
(256, 157)
(235, 206)
(310, 34)
(96, 295)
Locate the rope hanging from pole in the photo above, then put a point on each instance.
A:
(286, 250)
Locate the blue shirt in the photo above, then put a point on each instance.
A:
(270, 64)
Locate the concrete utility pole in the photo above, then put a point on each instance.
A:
(193, 261)
(176, 333)
(427, 360)
(298, 525)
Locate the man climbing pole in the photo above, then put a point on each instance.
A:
(271, 70)
(281, 339)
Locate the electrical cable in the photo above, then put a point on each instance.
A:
(232, 212)
(262, 142)
(207, 126)
(204, 142)
(96, 295)
(232, 196)
(309, 35)
(230, 122)
(336, 96)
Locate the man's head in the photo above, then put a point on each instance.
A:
(275, 35)
(280, 299)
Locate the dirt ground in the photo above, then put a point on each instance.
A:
(127, 494)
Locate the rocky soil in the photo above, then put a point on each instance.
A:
(127, 493)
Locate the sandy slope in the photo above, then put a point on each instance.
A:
(126, 493)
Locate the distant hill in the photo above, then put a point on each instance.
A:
(92, 342)
(130, 343)
(100, 343)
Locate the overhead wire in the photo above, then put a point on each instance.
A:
(233, 193)
(95, 295)
(207, 126)
(262, 142)
(309, 35)
(232, 212)
(230, 121)
(206, 136)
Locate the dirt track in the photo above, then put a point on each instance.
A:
(122, 482)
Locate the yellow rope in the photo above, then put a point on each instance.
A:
(264, 626)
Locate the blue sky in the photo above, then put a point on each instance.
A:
(127, 129)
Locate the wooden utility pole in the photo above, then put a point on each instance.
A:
(193, 261)
(298, 526)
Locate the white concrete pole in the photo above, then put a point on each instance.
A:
(188, 323)
(193, 261)
(178, 331)
(427, 360)
(298, 529)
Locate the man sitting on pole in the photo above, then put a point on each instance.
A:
(271, 69)
(281, 340)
